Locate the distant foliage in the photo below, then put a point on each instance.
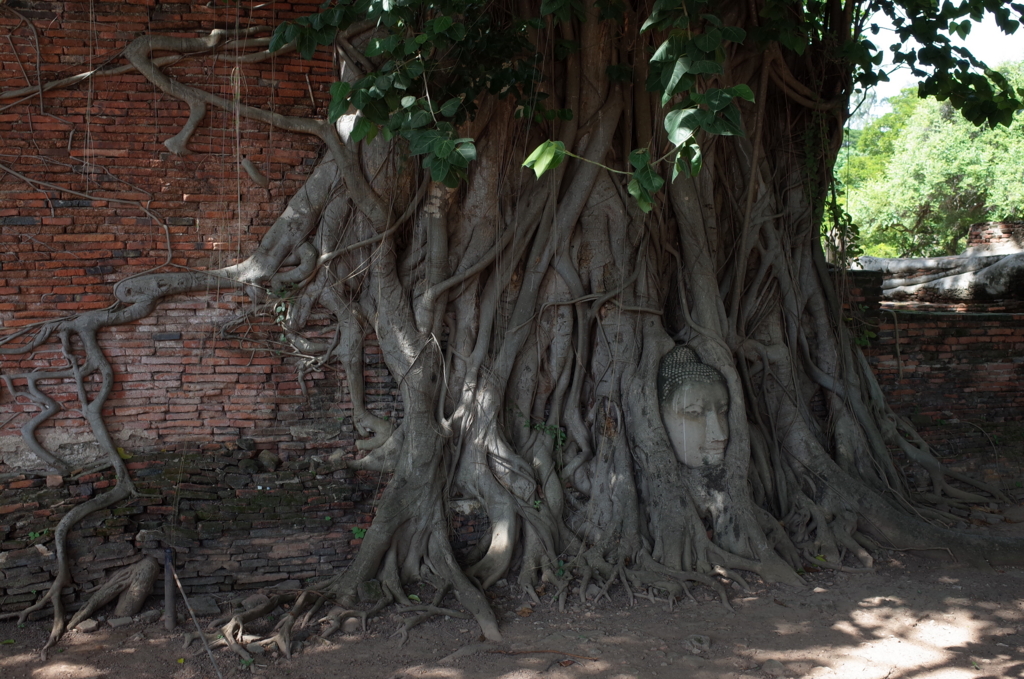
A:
(916, 178)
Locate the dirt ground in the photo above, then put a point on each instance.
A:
(910, 619)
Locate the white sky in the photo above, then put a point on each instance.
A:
(986, 42)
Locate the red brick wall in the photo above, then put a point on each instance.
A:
(61, 253)
(959, 377)
(184, 396)
(996, 233)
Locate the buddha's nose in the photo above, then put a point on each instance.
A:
(717, 427)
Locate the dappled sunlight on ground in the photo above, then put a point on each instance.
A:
(66, 670)
(910, 620)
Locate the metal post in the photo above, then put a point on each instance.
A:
(170, 617)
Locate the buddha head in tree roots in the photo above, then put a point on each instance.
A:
(694, 408)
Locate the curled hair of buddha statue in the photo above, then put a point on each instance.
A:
(679, 366)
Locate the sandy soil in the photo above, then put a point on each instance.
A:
(911, 618)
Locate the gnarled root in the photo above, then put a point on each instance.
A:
(232, 629)
(131, 585)
(427, 613)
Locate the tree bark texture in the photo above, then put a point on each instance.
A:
(526, 321)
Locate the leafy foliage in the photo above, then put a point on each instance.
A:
(433, 61)
(693, 51)
(952, 73)
(919, 176)
(429, 74)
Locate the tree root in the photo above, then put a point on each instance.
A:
(428, 612)
(231, 630)
(132, 585)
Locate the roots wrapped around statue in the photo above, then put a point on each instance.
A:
(646, 400)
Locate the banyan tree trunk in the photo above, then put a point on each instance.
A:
(650, 398)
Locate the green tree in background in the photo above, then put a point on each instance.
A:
(917, 177)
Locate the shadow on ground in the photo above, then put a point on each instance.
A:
(911, 619)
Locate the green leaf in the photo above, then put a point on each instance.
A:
(727, 124)
(563, 48)
(419, 119)
(306, 44)
(547, 156)
(377, 111)
(797, 43)
(278, 39)
(681, 124)
(439, 167)
(291, 31)
(413, 597)
(705, 66)
(458, 160)
(679, 71)
(340, 90)
(551, 6)
(442, 24)
(452, 179)
(450, 107)
(669, 50)
(334, 16)
(362, 130)
(442, 148)
(734, 34)
(465, 149)
(649, 179)
(741, 91)
(639, 158)
(717, 99)
(709, 41)
(643, 198)
(694, 158)
(421, 141)
(378, 46)
(325, 36)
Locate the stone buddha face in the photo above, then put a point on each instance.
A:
(694, 408)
